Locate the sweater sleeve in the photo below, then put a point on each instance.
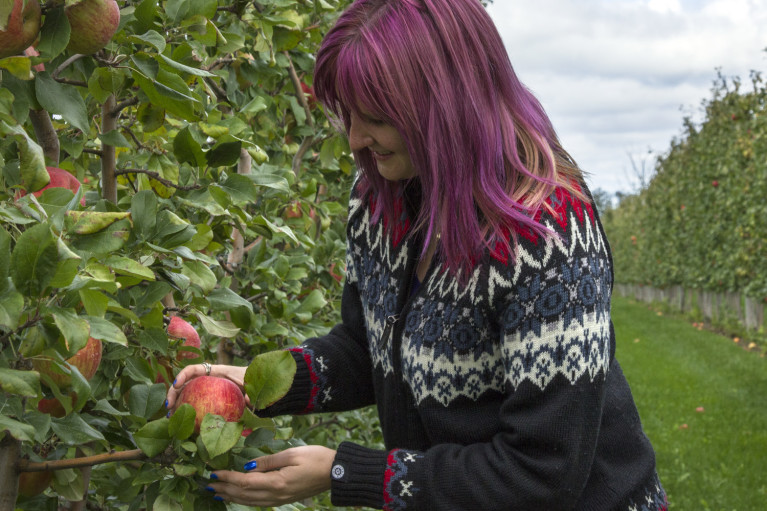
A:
(333, 372)
(554, 347)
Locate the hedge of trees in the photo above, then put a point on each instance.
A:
(701, 222)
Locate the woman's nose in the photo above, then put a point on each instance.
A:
(358, 137)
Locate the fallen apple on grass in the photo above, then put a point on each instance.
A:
(211, 394)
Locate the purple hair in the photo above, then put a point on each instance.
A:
(486, 153)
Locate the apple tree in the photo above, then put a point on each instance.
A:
(160, 159)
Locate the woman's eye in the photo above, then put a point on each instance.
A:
(377, 122)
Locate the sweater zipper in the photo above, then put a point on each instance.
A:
(390, 322)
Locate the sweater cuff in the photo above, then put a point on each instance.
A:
(357, 477)
(299, 397)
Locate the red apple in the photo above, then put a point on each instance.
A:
(34, 483)
(53, 406)
(21, 28)
(180, 329)
(86, 361)
(60, 178)
(211, 394)
(32, 52)
(311, 99)
(715, 183)
(93, 24)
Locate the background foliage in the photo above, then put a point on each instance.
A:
(700, 223)
(228, 208)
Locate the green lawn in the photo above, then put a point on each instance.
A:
(703, 403)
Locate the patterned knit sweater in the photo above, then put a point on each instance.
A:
(499, 393)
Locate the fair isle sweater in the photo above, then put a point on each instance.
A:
(499, 393)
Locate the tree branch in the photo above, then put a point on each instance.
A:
(108, 154)
(45, 134)
(89, 461)
(119, 107)
(71, 60)
(301, 97)
(157, 177)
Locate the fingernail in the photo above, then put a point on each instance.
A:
(174, 382)
(168, 415)
(218, 498)
(250, 465)
(213, 476)
(210, 489)
(166, 403)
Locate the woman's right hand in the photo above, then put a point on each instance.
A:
(233, 373)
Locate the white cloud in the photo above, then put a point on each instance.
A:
(618, 76)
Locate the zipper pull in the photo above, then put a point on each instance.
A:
(390, 322)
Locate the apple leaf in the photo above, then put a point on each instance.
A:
(182, 422)
(22, 383)
(73, 430)
(105, 330)
(165, 502)
(34, 260)
(55, 33)
(144, 214)
(20, 67)
(68, 483)
(34, 176)
(153, 437)
(269, 377)
(18, 430)
(59, 99)
(74, 328)
(219, 328)
(145, 400)
(218, 435)
(200, 275)
(11, 307)
(126, 266)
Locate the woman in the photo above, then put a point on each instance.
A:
(476, 307)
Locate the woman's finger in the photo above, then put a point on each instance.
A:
(186, 374)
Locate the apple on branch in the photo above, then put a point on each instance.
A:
(87, 361)
(21, 28)
(60, 178)
(211, 394)
(34, 483)
(178, 328)
(93, 23)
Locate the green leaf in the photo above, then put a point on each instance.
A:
(125, 266)
(73, 430)
(105, 241)
(185, 69)
(224, 154)
(11, 307)
(165, 502)
(114, 138)
(102, 405)
(144, 213)
(187, 149)
(225, 329)
(150, 37)
(94, 301)
(74, 328)
(182, 422)
(240, 189)
(22, 383)
(63, 100)
(41, 422)
(20, 67)
(146, 400)
(34, 260)
(5, 259)
(34, 176)
(18, 430)
(153, 437)
(269, 377)
(68, 484)
(107, 331)
(200, 275)
(219, 436)
(224, 299)
(54, 35)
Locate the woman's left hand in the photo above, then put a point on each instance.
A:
(288, 476)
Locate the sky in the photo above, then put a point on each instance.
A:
(617, 77)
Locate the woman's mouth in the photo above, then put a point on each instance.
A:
(380, 156)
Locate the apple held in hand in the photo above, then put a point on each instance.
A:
(211, 394)
(87, 361)
(180, 329)
(21, 28)
(93, 24)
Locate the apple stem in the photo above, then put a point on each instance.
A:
(10, 452)
(46, 135)
(108, 156)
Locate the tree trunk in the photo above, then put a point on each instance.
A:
(10, 452)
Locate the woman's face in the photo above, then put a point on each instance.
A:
(385, 144)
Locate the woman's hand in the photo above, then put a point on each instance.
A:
(288, 476)
(233, 373)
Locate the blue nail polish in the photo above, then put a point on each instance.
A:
(174, 382)
(250, 465)
(213, 476)
(210, 489)
(167, 415)
(166, 403)
(218, 498)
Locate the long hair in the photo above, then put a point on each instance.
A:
(486, 154)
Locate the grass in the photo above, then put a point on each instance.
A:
(703, 403)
